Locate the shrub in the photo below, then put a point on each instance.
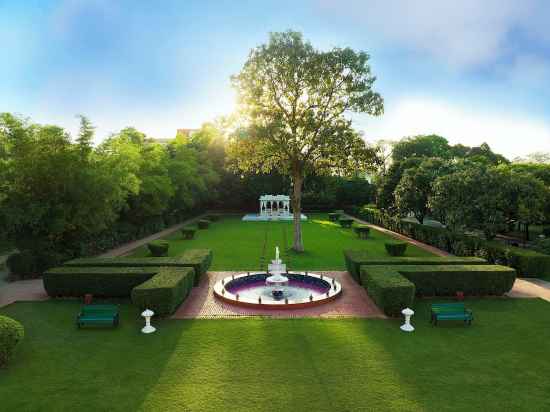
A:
(188, 232)
(546, 231)
(543, 246)
(203, 224)
(395, 248)
(11, 333)
(99, 281)
(345, 222)
(165, 291)
(333, 217)
(213, 218)
(391, 292)
(362, 231)
(158, 248)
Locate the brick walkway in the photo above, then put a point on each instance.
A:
(353, 302)
(129, 247)
(399, 236)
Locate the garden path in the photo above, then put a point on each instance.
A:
(129, 247)
(530, 288)
(399, 236)
(22, 290)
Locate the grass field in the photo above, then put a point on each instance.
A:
(239, 245)
(499, 363)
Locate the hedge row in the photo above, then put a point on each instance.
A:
(11, 333)
(165, 291)
(199, 259)
(390, 291)
(99, 281)
(528, 263)
(356, 258)
(389, 286)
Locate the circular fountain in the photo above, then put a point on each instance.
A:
(277, 288)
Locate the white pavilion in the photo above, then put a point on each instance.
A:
(273, 207)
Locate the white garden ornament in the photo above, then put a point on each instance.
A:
(407, 327)
(148, 314)
(273, 207)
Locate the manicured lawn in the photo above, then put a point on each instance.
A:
(500, 363)
(238, 245)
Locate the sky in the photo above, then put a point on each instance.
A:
(472, 71)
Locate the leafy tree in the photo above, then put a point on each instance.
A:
(415, 187)
(472, 197)
(293, 100)
(421, 146)
(387, 182)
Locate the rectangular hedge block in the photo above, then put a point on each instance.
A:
(356, 258)
(528, 262)
(199, 259)
(390, 291)
(165, 291)
(99, 281)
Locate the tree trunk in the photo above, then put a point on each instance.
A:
(297, 180)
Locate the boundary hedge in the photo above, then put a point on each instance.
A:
(527, 262)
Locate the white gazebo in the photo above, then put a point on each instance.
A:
(273, 207)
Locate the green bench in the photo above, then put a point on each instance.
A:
(98, 315)
(450, 311)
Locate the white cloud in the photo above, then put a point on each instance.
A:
(463, 34)
(510, 134)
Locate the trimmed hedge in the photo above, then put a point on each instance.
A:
(395, 248)
(345, 222)
(11, 333)
(203, 224)
(99, 281)
(356, 258)
(333, 217)
(213, 218)
(165, 291)
(158, 248)
(362, 231)
(527, 262)
(188, 233)
(199, 259)
(391, 292)
(433, 280)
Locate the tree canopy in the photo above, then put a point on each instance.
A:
(293, 100)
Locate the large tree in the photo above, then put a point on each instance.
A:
(415, 187)
(293, 100)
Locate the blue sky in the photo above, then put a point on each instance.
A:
(471, 71)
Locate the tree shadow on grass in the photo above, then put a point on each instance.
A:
(60, 367)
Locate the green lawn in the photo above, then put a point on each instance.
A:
(238, 245)
(499, 363)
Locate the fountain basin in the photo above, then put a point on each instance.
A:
(302, 290)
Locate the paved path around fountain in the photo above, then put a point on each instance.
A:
(399, 236)
(354, 302)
